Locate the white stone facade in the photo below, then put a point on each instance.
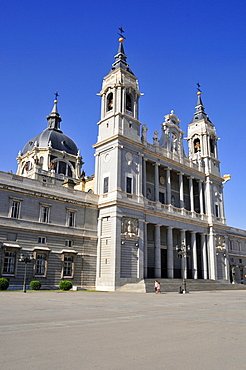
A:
(124, 224)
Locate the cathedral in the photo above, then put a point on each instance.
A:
(147, 205)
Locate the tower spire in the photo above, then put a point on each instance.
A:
(200, 109)
(54, 118)
(120, 57)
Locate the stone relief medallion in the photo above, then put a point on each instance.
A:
(162, 180)
(220, 241)
(129, 158)
(129, 226)
(107, 157)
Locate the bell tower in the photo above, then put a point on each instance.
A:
(202, 139)
(119, 95)
(118, 178)
(202, 144)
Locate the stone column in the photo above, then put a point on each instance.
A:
(156, 182)
(170, 252)
(181, 190)
(140, 175)
(168, 187)
(204, 257)
(103, 108)
(184, 259)
(191, 194)
(145, 250)
(222, 209)
(144, 177)
(212, 255)
(194, 254)
(227, 267)
(157, 251)
(201, 197)
(141, 249)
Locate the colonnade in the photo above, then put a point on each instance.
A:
(169, 187)
(171, 250)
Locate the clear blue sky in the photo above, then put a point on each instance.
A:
(69, 46)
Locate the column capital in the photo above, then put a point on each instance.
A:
(156, 164)
(180, 173)
(190, 178)
(170, 227)
(193, 232)
(168, 168)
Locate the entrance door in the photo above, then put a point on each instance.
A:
(163, 263)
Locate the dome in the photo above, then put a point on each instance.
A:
(52, 136)
(54, 139)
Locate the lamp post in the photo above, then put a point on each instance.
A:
(182, 253)
(26, 259)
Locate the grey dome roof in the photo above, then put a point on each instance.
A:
(54, 139)
(52, 136)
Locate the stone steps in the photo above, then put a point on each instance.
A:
(173, 285)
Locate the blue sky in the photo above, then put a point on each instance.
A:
(69, 46)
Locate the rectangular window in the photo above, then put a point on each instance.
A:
(41, 261)
(162, 198)
(9, 262)
(71, 218)
(41, 240)
(105, 185)
(68, 266)
(69, 243)
(216, 210)
(44, 214)
(129, 185)
(15, 209)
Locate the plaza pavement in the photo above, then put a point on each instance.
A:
(101, 330)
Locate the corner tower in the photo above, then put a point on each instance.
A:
(202, 139)
(118, 179)
(119, 106)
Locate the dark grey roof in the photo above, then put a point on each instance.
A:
(200, 110)
(52, 136)
(120, 60)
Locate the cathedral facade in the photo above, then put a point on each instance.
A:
(146, 203)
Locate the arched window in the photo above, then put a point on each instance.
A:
(109, 102)
(128, 102)
(197, 145)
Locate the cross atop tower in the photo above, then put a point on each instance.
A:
(56, 95)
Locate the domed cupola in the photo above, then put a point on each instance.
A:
(52, 136)
(51, 153)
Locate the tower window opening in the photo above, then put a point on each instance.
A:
(212, 146)
(105, 184)
(129, 185)
(197, 145)
(128, 102)
(110, 101)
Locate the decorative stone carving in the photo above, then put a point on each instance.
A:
(129, 227)
(155, 138)
(144, 133)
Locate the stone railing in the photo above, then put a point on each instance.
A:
(174, 156)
